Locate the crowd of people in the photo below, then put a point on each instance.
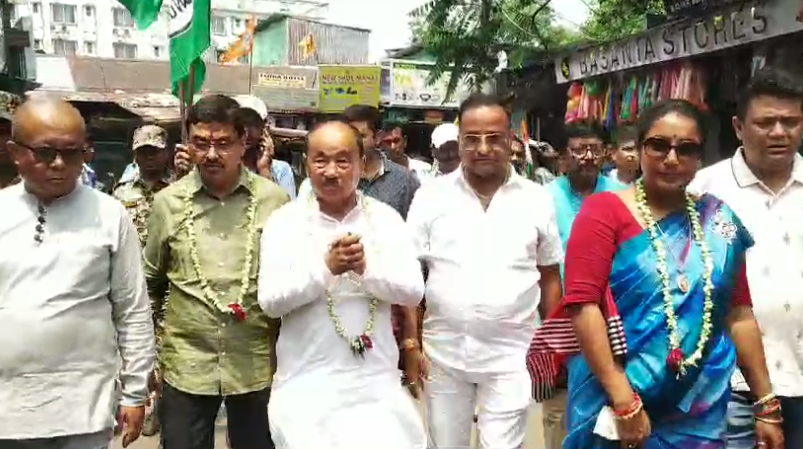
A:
(644, 301)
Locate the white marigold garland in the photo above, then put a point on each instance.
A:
(235, 308)
(676, 358)
(361, 343)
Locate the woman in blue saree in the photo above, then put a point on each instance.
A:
(657, 295)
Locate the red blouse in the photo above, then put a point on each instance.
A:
(603, 224)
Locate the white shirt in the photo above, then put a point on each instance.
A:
(68, 305)
(774, 264)
(482, 292)
(420, 168)
(319, 380)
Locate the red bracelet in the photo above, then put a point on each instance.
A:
(630, 410)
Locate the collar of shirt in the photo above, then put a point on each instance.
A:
(383, 165)
(196, 183)
(513, 179)
(745, 177)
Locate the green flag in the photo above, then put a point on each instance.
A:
(144, 12)
(190, 37)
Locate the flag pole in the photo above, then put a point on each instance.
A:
(182, 108)
(185, 96)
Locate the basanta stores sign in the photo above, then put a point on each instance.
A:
(731, 27)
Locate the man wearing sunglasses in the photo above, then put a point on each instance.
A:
(585, 154)
(74, 302)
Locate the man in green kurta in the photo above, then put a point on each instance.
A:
(203, 247)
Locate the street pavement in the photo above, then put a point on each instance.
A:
(534, 438)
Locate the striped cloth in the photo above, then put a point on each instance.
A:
(555, 342)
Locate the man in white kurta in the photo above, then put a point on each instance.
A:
(331, 390)
(489, 238)
(73, 302)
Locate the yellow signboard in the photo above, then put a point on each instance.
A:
(343, 86)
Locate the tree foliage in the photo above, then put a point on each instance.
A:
(467, 36)
(610, 20)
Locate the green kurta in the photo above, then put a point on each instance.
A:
(205, 351)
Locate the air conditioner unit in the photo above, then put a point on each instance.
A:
(115, 32)
(127, 33)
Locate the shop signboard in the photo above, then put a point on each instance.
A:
(409, 87)
(286, 88)
(730, 27)
(343, 86)
(680, 8)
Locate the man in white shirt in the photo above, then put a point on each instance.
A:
(763, 183)
(331, 266)
(72, 296)
(490, 241)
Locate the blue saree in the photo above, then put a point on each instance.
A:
(689, 412)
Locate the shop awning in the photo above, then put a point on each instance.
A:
(151, 107)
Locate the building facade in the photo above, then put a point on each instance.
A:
(104, 28)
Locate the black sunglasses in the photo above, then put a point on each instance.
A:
(48, 155)
(660, 147)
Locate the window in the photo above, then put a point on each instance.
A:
(89, 48)
(89, 10)
(63, 47)
(37, 44)
(157, 51)
(243, 59)
(219, 54)
(122, 18)
(237, 23)
(36, 7)
(219, 26)
(125, 51)
(62, 13)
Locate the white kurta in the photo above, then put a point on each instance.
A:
(323, 395)
(71, 306)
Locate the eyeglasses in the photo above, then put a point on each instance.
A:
(580, 151)
(220, 146)
(48, 155)
(39, 236)
(495, 141)
(659, 148)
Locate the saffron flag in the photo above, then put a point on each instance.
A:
(190, 37)
(308, 46)
(242, 46)
(525, 138)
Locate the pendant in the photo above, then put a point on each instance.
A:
(683, 283)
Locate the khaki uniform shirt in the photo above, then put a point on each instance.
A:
(205, 351)
(137, 197)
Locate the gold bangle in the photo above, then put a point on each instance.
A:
(777, 421)
(408, 344)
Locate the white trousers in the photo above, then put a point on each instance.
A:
(501, 400)
(316, 416)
